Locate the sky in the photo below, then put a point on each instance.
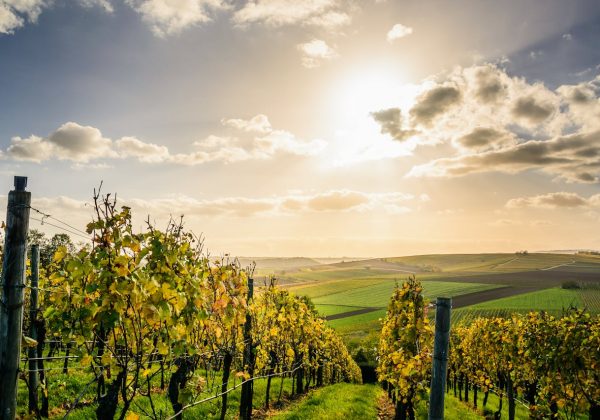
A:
(321, 128)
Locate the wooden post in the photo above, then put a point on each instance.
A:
(248, 357)
(13, 279)
(33, 308)
(440, 358)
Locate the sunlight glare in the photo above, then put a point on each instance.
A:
(355, 98)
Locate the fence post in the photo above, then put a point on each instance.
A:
(33, 309)
(11, 311)
(248, 357)
(440, 358)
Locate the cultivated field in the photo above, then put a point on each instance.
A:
(353, 295)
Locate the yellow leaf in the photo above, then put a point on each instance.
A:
(106, 359)
(162, 348)
(132, 416)
(29, 342)
(60, 254)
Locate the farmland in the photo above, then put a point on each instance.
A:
(480, 284)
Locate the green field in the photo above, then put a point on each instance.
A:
(532, 281)
(324, 288)
(378, 295)
(553, 301)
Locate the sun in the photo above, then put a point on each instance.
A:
(362, 91)
(355, 96)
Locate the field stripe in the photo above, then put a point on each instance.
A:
(351, 313)
(469, 299)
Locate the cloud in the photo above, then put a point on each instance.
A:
(70, 141)
(275, 13)
(398, 31)
(498, 122)
(315, 52)
(258, 124)
(254, 139)
(103, 4)
(554, 200)
(15, 13)
(332, 201)
(573, 158)
(583, 103)
(433, 103)
(144, 152)
(531, 109)
(484, 138)
(490, 84)
(391, 123)
(168, 17)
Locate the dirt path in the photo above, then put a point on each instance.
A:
(504, 263)
(556, 266)
(492, 294)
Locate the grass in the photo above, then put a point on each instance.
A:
(339, 401)
(358, 322)
(549, 299)
(453, 409)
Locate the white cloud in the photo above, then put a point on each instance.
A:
(259, 124)
(322, 13)
(398, 31)
(80, 212)
(145, 152)
(70, 141)
(15, 13)
(103, 4)
(314, 52)
(167, 17)
(254, 139)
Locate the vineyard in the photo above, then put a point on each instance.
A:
(550, 365)
(146, 324)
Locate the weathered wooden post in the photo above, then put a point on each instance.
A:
(248, 358)
(33, 308)
(440, 358)
(11, 310)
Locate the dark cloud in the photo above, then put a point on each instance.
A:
(484, 138)
(489, 85)
(582, 96)
(532, 110)
(551, 200)
(390, 121)
(561, 156)
(434, 102)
